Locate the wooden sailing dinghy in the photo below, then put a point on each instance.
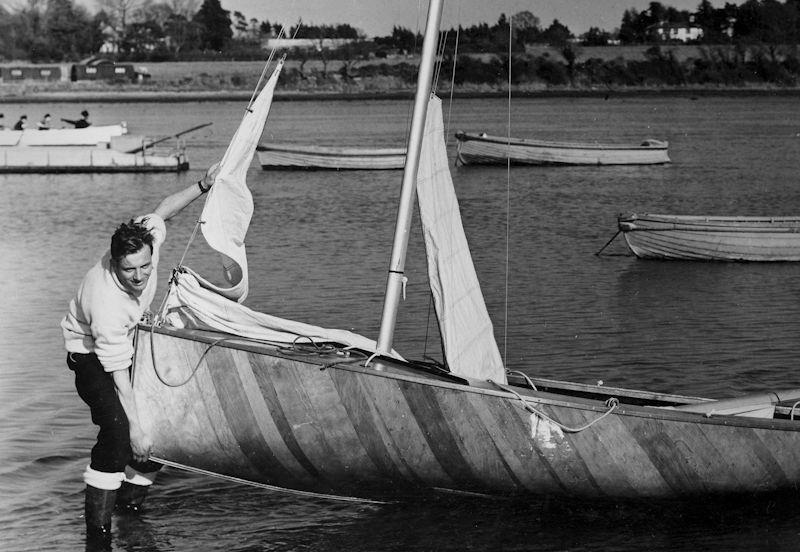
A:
(231, 392)
(301, 156)
(482, 149)
(711, 238)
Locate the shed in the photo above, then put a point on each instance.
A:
(102, 69)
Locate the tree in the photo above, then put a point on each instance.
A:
(214, 25)
(68, 31)
(556, 34)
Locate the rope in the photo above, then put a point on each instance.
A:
(527, 379)
(194, 370)
(608, 243)
(791, 412)
(612, 403)
(308, 494)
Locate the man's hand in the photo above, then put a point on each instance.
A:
(141, 444)
(211, 175)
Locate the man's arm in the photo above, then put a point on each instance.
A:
(175, 203)
(141, 443)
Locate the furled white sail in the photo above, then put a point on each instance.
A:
(190, 305)
(229, 205)
(469, 344)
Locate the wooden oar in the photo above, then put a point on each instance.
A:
(177, 135)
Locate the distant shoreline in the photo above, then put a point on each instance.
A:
(161, 96)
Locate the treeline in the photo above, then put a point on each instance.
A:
(175, 30)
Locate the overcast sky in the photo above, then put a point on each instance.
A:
(377, 17)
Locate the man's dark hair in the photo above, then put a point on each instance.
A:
(129, 238)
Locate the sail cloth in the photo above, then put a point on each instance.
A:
(190, 305)
(229, 205)
(469, 344)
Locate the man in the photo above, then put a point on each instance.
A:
(44, 124)
(98, 331)
(83, 122)
(22, 124)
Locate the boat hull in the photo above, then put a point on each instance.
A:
(89, 136)
(67, 159)
(281, 156)
(327, 424)
(479, 149)
(698, 238)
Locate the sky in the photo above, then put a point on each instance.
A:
(377, 17)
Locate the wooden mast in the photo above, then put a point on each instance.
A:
(394, 283)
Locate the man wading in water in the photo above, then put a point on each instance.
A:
(98, 334)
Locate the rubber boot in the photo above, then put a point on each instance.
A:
(98, 506)
(130, 497)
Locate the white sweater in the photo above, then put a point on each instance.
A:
(103, 315)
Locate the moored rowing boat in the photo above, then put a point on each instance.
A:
(712, 238)
(482, 149)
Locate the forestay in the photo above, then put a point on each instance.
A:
(469, 344)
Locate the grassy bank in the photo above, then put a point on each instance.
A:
(384, 78)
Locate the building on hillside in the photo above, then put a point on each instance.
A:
(305, 43)
(102, 69)
(16, 73)
(678, 32)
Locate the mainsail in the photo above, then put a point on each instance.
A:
(469, 344)
(229, 205)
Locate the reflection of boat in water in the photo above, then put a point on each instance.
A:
(482, 149)
(712, 238)
(89, 136)
(300, 156)
(227, 391)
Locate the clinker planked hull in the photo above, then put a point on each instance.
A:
(481, 149)
(288, 156)
(701, 238)
(250, 411)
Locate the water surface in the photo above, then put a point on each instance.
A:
(319, 250)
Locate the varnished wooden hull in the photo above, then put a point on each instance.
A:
(314, 423)
(288, 156)
(680, 237)
(481, 149)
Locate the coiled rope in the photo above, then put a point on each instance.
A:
(612, 403)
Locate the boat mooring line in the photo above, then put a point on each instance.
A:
(608, 243)
(308, 494)
(612, 403)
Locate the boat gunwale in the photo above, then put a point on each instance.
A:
(486, 388)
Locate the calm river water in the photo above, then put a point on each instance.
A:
(319, 249)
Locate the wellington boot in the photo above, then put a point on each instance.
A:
(98, 506)
(130, 497)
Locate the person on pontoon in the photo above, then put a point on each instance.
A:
(22, 124)
(83, 122)
(45, 123)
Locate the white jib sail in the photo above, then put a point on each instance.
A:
(229, 205)
(469, 344)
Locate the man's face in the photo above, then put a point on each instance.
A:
(133, 270)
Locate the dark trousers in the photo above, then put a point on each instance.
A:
(95, 386)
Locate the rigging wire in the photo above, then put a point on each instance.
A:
(262, 77)
(508, 196)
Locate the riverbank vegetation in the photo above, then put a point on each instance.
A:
(753, 44)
